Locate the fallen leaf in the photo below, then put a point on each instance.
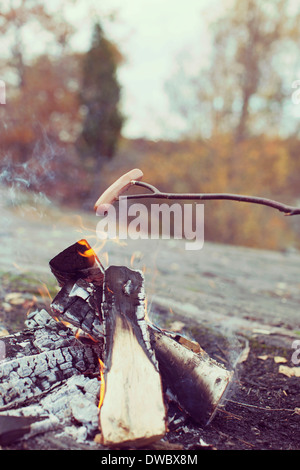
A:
(289, 371)
(263, 357)
(279, 359)
(6, 306)
(14, 298)
(3, 331)
(244, 354)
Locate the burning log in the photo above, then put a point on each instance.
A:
(133, 411)
(80, 273)
(78, 261)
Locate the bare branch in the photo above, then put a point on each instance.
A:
(155, 193)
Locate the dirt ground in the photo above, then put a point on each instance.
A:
(260, 412)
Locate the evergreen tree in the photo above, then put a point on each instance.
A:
(100, 95)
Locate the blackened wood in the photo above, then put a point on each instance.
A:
(13, 428)
(79, 304)
(78, 261)
(133, 411)
(41, 357)
(196, 380)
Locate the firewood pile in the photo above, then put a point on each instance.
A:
(94, 368)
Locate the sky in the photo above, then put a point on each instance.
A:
(151, 34)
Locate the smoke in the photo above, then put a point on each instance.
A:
(31, 178)
(26, 182)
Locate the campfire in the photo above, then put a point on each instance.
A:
(96, 359)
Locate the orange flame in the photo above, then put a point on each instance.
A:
(146, 309)
(44, 292)
(102, 386)
(89, 251)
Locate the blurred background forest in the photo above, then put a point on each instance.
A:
(62, 122)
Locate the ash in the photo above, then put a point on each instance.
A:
(58, 387)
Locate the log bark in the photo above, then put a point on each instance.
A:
(196, 380)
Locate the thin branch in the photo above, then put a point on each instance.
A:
(247, 405)
(155, 193)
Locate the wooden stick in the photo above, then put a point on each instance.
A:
(287, 209)
(134, 176)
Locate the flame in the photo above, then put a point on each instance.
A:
(102, 386)
(89, 251)
(31, 304)
(44, 293)
(146, 309)
(133, 256)
(77, 334)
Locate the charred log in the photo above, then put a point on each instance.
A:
(78, 261)
(79, 304)
(40, 358)
(196, 380)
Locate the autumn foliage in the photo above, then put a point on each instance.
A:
(51, 111)
(260, 167)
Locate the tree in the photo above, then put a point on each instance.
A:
(253, 63)
(37, 84)
(26, 19)
(100, 97)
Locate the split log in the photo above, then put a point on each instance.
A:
(133, 411)
(196, 380)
